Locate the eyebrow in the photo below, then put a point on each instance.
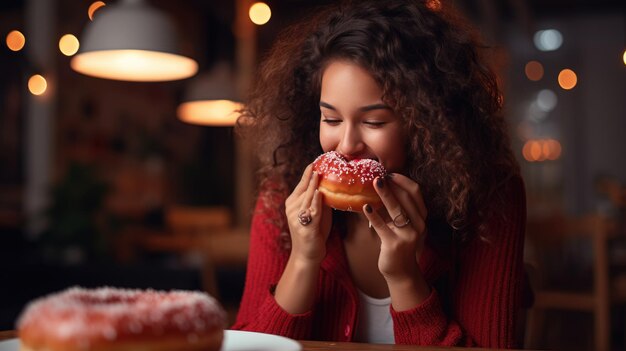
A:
(362, 109)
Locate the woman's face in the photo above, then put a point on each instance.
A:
(354, 120)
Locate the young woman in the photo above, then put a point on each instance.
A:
(403, 83)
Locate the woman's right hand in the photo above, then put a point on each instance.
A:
(308, 242)
(295, 291)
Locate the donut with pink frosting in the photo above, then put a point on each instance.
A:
(347, 184)
(122, 320)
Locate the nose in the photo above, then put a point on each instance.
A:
(351, 145)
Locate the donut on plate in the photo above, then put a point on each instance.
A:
(122, 320)
(347, 185)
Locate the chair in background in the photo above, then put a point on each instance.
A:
(203, 235)
(545, 237)
(194, 220)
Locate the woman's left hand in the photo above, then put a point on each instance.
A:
(402, 229)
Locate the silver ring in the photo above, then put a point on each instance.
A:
(304, 217)
(401, 220)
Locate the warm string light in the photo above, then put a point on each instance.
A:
(567, 79)
(539, 150)
(534, 70)
(15, 40)
(69, 45)
(93, 8)
(37, 84)
(260, 13)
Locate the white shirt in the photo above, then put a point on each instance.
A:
(374, 324)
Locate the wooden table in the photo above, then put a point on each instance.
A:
(340, 346)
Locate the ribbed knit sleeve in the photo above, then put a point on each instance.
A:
(487, 291)
(259, 311)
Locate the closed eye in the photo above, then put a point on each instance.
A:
(331, 121)
(374, 124)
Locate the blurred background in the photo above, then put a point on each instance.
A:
(125, 171)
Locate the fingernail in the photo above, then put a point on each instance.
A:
(368, 208)
(379, 182)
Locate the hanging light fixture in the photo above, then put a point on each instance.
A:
(211, 98)
(132, 41)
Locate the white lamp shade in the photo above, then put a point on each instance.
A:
(132, 41)
(211, 98)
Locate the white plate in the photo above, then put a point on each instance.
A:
(234, 340)
(10, 345)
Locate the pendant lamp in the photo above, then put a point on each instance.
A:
(132, 41)
(211, 98)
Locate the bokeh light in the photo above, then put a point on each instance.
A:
(536, 150)
(37, 84)
(94, 7)
(69, 45)
(554, 149)
(535, 112)
(539, 150)
(260, 13)
(15, 40)
(567, 79)
(548, 40)
(534, 70)
(546, 100)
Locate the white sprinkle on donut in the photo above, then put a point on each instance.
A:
(333, 163)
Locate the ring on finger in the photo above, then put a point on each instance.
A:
(401, 220)
(304, 217)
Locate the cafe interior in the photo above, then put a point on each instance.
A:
(115, 171)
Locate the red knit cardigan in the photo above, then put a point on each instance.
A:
(483, 294)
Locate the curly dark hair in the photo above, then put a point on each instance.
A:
(426, 60)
